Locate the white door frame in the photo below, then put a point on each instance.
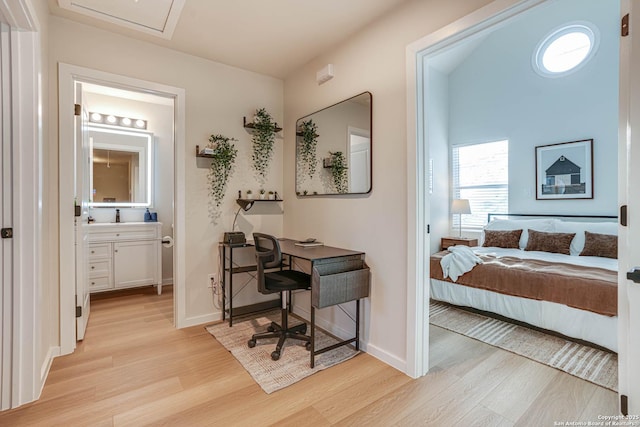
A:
(26, 134)
(68, 74)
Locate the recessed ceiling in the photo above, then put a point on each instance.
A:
(157, 17)
(271, 37)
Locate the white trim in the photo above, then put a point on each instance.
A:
(495, 13)
(27, 197)
(46, 365)
(201, 320)
(388, 358)
(68, 74)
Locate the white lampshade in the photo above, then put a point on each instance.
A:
(460, 206)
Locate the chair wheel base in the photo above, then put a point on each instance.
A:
(308, 346)
(275, 355)
(251, 343)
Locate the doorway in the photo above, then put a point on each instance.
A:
(163, 108)
(422, 200)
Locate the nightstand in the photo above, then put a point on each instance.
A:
(445, 242)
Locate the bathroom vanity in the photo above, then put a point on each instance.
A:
(124, 255)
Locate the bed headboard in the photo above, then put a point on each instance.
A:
(596, 218)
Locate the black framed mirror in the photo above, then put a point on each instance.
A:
(334, 150)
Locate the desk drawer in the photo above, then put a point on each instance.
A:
(331, 288)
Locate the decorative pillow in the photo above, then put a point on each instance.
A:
(602, 245)
(502, 239)
(543, 224)
(549, 242)
(580, 227)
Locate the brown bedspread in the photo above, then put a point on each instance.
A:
(586, 288)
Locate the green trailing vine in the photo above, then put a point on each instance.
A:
(308, 145)
(339, 171)
(222, 165)
(264, 136)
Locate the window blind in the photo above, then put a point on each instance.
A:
(480, 174)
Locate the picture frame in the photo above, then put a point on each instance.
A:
(565, 170)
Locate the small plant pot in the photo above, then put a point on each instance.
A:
(262, 196)
(250, 196)
(272, 196)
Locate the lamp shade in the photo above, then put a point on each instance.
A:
(460, 206)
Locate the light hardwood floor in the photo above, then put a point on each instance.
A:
(135, 369)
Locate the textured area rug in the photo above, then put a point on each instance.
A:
(591, 364)
(293, 364)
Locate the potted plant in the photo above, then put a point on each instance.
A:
(262, 196)
(222, 163)
(249, 194)
(308, 145)
(271, 195)
(339, 171)
(264, 136)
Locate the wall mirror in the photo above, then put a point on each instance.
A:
(333, 149)
(120, 167)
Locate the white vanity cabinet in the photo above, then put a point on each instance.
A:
(124, 255)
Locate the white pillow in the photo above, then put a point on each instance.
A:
(577, 244)
(543, 224)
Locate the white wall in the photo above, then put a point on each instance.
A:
(372, 60)
(495, 94)
(217, 97)
(159, 122)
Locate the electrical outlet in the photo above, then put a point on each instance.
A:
(212, 283)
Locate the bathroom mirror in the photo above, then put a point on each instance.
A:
(121, 167)
(333, 149)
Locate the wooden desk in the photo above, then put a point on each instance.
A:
(337, 276)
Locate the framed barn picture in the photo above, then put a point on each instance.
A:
(565, 170)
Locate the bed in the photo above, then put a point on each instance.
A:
(555, 273)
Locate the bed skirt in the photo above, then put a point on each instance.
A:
(572, 322)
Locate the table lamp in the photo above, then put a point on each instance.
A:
(460, 207)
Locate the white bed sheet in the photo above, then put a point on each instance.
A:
(587, 261)
(572, 322)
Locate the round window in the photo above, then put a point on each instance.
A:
(565, 50)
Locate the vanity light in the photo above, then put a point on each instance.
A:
(117, 120)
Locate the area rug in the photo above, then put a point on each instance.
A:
(591, 364)
(293, 364)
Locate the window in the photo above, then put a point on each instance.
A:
(480, 174)
(565, 49)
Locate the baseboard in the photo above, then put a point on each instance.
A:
(200, 320)
(365, 346)
(168, 281)
(46, 367)
(389, 359)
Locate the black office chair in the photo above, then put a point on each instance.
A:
(269, 256)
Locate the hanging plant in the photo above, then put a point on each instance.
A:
(222, 162)
(264, 136)
(308, 145)
(339, 171)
